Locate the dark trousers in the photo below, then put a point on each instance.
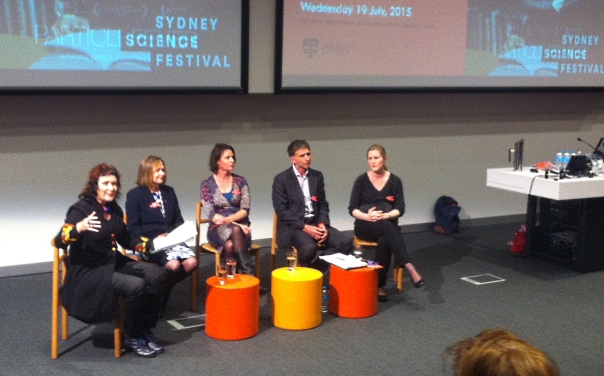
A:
(142, 284)
(336, 242)
(390, 241)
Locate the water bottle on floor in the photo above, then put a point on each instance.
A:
(325, 299)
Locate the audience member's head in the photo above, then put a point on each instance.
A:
(499, 352)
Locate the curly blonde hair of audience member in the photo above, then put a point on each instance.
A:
(499, 352)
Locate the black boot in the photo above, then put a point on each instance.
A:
(244, 262)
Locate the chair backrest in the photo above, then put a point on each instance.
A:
(59, 265)
(199, 220)
(199, 214)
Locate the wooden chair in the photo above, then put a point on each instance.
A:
(59, 271)
(209, 249)
(359, 244)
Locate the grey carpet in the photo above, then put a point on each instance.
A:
(555, 308)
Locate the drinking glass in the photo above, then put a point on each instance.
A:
(291, 260)
(358, 254)
(231, 267)
(221, 272)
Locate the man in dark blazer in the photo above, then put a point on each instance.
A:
(302, 210)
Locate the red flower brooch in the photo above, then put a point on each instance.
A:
(314, 198)
(236, 192)
(390, 198)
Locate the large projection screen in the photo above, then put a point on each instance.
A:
(123, 44)
(387, 44)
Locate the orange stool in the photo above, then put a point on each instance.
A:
(296, 298)
(353, 293)
(233, 309)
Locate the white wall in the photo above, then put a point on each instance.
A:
(439, 143)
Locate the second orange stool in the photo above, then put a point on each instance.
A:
(353, 292)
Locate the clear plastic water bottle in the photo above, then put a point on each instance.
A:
(325, 299)
(559, 159)
(566, 158)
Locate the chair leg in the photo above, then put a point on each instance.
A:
(194, 280)
(54, 336)
(257, 259)
(399, 282)
(398, 277)
(64, 323)
(119, 326)
(195, 283)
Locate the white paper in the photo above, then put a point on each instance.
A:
(344, 261)
(179, 235)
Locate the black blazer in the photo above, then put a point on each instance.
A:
(288, 202)
(147, 220)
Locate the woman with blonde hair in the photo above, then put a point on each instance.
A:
(153, 212)
(499, 352)
(376, 203)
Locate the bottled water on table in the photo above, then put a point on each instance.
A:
(559, 159)
(566, 158)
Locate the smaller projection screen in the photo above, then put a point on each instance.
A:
(387, 44)
(123, 44)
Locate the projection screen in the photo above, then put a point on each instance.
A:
(123, 44)
(390, 44)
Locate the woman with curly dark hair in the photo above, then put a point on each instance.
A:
(98, 273)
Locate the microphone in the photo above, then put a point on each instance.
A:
(585, 142)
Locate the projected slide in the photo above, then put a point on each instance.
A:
(121, 44)
(442, 44)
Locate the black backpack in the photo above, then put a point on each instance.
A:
(446, 215)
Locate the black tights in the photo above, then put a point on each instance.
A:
(236, 243)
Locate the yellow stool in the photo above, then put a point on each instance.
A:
(233, 309)
(296, 298)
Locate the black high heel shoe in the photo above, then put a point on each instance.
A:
(419, 283)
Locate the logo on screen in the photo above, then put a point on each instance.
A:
(311, 46)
